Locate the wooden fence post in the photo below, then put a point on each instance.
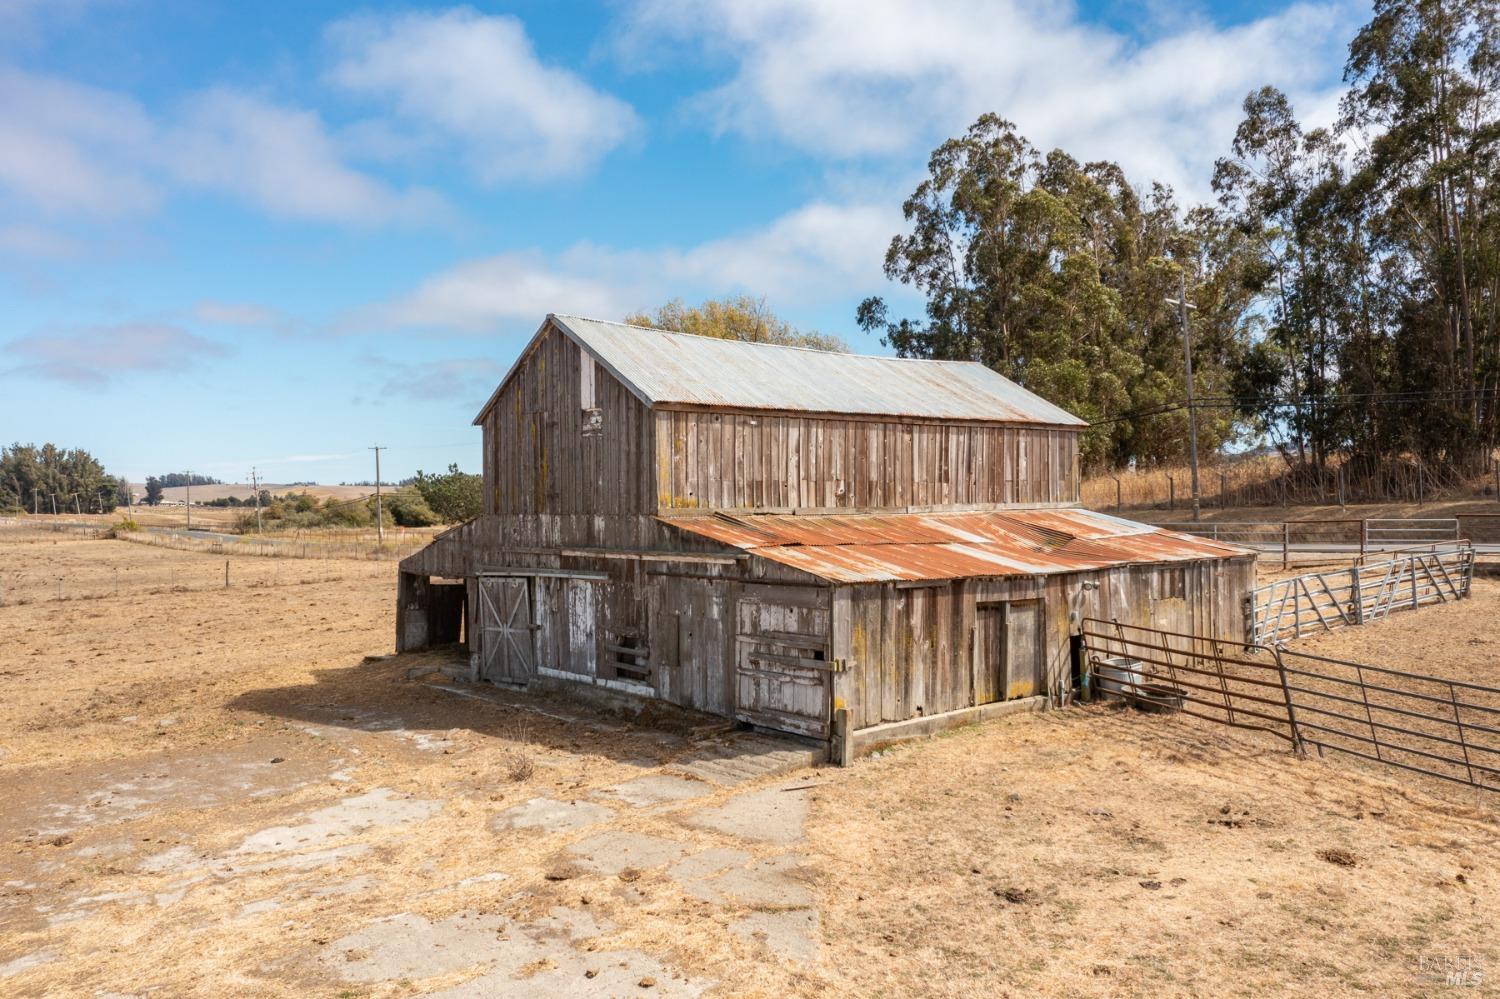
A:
(1171, 493)
(1286, 544)
(1359, 599)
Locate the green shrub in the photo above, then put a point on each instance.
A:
(125, 526)
(454, 496)
(407, 507)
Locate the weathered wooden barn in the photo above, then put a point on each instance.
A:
(789, 537)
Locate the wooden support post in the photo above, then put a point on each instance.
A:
(1359, 599)
(1223, 490)
(1171, 494)
(1364, 534)
(226, 574)
(1286, 544)
(843, 738)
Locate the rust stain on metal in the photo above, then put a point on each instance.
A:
(859, 548)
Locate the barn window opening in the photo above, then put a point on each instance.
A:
(629, 658)
(593, 416)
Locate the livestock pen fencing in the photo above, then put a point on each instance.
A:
(1442, 728)
(1316, 540)
(1366, 591)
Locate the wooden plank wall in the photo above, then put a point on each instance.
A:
(722, 460)
(538, 457)
(909, 651)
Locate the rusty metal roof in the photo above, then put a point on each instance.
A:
(663, 367)
(869, 548)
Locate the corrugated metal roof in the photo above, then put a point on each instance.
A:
(869, 548)
(663, 367)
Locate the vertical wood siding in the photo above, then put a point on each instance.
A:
(539, 455)
(910, 651)
(720, 460)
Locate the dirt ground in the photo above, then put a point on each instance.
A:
(219, 792)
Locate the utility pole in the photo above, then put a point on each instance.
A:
(1187, 357)
(77, 505)
(379, 519)
(189, 504)
(54, 504)
(255, 485)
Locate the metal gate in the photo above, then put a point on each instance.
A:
(1322, 601)
(1431, 725)
(507, 652)
(782, 671)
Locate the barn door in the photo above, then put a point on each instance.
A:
(1023, 649)
(782, 672)
(1007, 650)
(989, 653)
(506, 635)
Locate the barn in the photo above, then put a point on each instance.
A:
(847, 548)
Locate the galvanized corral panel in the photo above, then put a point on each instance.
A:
(662, 367)
(867, 548)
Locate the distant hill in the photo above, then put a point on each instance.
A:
(243, 490)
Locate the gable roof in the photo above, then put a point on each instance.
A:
(658, 366)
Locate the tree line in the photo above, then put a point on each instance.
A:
(51, 479)
(1344, 285)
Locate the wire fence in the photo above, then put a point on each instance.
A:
(1265, 481)
(46, 583)
(330, 544)
(1359, 539)
(1442, 728)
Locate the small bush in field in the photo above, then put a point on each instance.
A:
(125, 526)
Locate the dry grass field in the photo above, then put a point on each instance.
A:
(213, 792)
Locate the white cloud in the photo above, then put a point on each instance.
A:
(32, 241)
(877, 78)
(242, 314)
(91, 355)
(475, 295)
(68, 148)
(84, 152)
(465, 381)
(808, 255)
(282, 159)
(475, 79)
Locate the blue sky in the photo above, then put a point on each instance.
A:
(274, 234)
